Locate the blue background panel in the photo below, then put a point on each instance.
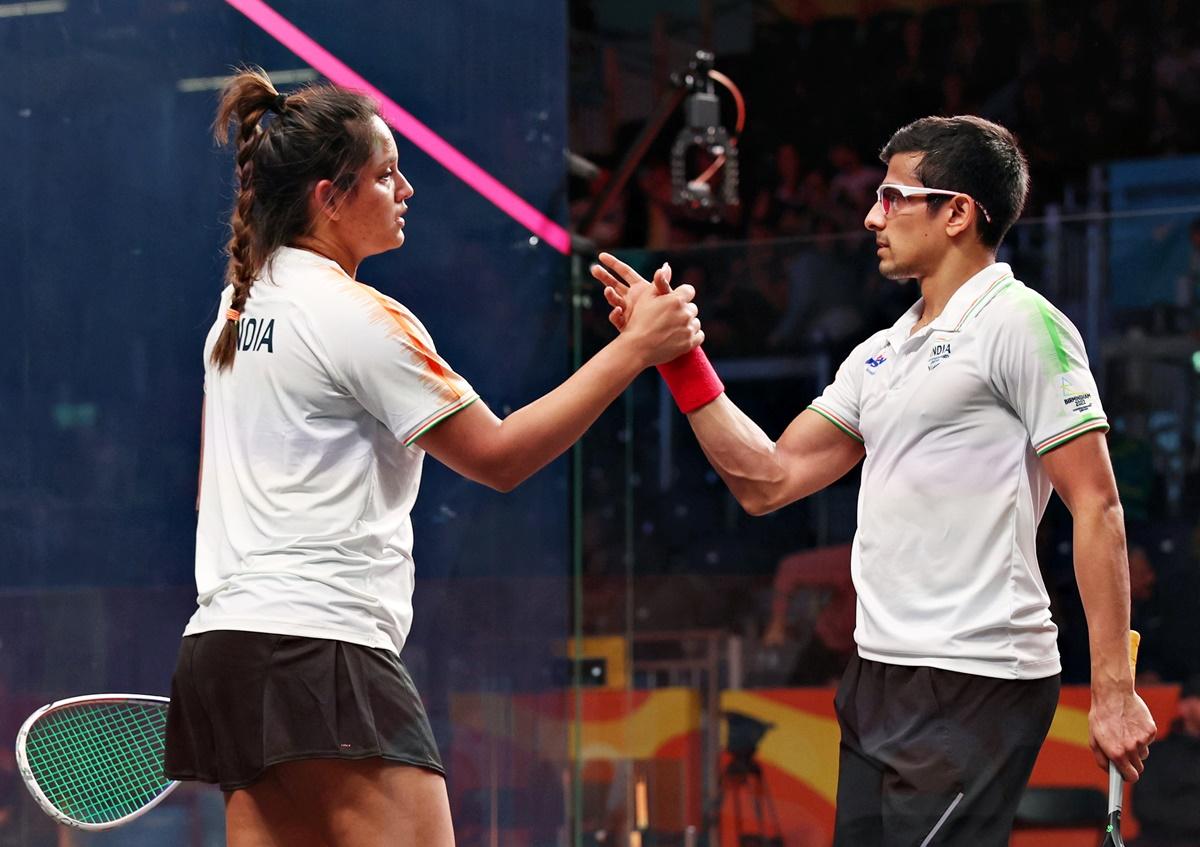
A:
(113, 220)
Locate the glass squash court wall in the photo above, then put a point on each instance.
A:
(629, 555)
(112, 223)
(723, 635)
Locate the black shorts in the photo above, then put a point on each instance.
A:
(243, 701)
(934, 757)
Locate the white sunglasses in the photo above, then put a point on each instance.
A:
(890, 194)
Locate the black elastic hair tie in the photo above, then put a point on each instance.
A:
(278, 103)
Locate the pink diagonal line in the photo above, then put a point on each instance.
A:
(442, 152)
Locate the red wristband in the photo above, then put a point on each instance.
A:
(692, 380)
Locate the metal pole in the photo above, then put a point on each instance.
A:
(1096, 264)
(576, 752)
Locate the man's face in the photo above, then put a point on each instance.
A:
(909, 239)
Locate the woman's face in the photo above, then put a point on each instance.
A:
(370, 218)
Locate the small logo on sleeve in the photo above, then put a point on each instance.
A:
(939, 353)
(874, 362)
(1075, 398)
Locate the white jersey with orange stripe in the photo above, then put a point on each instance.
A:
(953, 418)
(310, 467)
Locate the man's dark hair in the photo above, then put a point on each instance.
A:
(971, 155)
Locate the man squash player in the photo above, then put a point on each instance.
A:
(967, 411)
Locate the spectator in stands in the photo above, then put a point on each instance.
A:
(1144, 614)
(1166, 800)
(1164, 597)
(828, 637)
(654, 181)
(807, 269)
(1132, 449)
(1177, 79)
(914, 87)
(954, 95)
(780, 204)
(1105, 80)
(745, 305)
(853, 184)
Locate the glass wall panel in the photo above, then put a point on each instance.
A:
(113, 220)
(730, 632)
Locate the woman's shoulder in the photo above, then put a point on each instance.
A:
(335, 303)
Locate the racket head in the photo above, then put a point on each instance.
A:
(95, 762)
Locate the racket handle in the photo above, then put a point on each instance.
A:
(1116, 788)
(1116, 783)
(1135, 640)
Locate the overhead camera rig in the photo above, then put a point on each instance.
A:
(703, 147)
(703, 137)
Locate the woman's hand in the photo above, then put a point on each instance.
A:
(618, 278)
(659, 321)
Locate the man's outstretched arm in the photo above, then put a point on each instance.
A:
(763, 475)
(766, 475)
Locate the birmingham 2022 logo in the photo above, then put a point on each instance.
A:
(1074, 398)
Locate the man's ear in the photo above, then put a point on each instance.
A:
(962, 215)
(324, 200)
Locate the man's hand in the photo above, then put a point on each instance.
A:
(623, 286)
(1120, 730)
(660, 323)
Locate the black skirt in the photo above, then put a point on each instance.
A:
(243, 701)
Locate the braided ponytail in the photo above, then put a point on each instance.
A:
(246, 99)
(319, 132)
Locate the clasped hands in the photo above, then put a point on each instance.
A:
(625, 290)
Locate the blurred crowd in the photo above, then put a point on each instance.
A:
(1080, 83)
(790, 275)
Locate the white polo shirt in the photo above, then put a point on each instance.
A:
(953, 420)
(310, 468)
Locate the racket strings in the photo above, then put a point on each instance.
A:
(100, 762)
(94, 773)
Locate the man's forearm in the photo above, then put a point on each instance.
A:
(766, 475)
(1120, 727)
(1102, 572)
(743, 455)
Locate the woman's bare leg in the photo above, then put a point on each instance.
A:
(372, 802)
(263, 815)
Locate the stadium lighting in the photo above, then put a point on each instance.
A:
(38, 7)
(216, 83)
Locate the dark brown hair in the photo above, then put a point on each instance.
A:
(969, 154)
(319, 132)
